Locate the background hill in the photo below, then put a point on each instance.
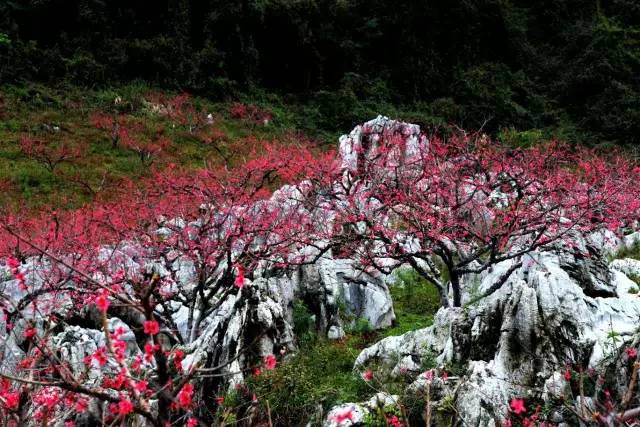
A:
(519, 69)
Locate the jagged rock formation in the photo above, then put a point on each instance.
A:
(555, 310)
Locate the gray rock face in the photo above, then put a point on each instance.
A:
(585, 265)
(252, 317)
(521, 337)
(354, 147)
(361, 295)
(337, 293)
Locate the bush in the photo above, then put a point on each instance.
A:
(415, 301)
(319, 375)
(632, 251)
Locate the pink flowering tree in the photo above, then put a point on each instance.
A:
(111, 124)
(47, 153)
(117, 268)
(461, 205)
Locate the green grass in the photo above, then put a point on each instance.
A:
(415, 301)
(319, 373)
(632, 251)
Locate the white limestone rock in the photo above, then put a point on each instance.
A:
(335, 333)
(548, 313)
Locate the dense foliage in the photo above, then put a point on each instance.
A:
(566, 67)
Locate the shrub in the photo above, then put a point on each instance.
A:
(320, 374)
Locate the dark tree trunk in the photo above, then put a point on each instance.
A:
(455, 287)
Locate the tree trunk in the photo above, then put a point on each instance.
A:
(455, 287)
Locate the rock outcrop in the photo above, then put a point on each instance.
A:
(557, 310)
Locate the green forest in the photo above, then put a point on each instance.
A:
(521, 70)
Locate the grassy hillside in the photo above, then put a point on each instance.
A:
(41, 125)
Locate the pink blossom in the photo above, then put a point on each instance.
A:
(141, 386)
(100, 356)
(632, 353)
(270, 362)
(81, 405)
(185, 395)
(125, 406)
(517, 406)
(394, 421)
(151, 327)
(102, 301)
(12, 400)
(239, 282)
(13, 263)
(367, 375)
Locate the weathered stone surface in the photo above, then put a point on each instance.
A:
(522, 336)
(336, 291)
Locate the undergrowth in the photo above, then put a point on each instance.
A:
(320, 374)
(631, 251)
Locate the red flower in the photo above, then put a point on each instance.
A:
(12, 400)
(185, 395)
(119, 348)
(192, 422)
(270, 362)
(141, 386)
(137, 362)
(81, 405)
(100, 356)
(30, 333)
(507, 423)
(257, 372)
(219, 400)
(567, 375)
(239, 282)
(151, 327)
(517, 406)
(178, 355)
(125, 407)
(393, 421)
(367, 375)
(13, 263)
(102, 301)
(69, 424)
(632, 353)
(149, 349)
